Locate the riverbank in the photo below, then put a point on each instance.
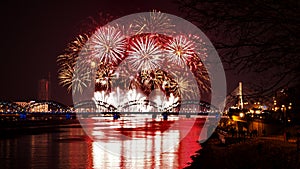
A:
(254, 153)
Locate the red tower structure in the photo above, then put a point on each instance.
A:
(44, 89)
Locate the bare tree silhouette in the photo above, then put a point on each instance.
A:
(252, 36)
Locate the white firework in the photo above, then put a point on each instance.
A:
(137, 100)
(105, 99)
(144, 53)
(107, 44)
(119, 99)
(167, 103)
(179, 50)
(133, 95)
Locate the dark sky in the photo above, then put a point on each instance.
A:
(34, 33)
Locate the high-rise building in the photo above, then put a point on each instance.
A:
(43, 89)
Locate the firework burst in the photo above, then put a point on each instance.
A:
(76, 45)
(104, 76)
(150, 81)
(140, 56)
(166, 103)
(202, 79)
(171, 102)
(71, 52)
(65, 77)
(120, 99)
(179, 50)
(65, 60)
(108, 45)
(133, 95)
(126, 30)
(74, 79)
(105, 100)
(144, 53)
(66, 73)
(200, 46)
(90, 24)
(183, 88)
(155, 22)
(123, 76)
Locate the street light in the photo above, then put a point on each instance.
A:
(242, 115)
(283, 108)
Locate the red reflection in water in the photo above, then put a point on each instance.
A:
(89, 154)
(188, 145)
(150, 143)
(149, 129)
(154, 146)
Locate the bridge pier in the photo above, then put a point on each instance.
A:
(68, 116)
(85, 115)
(22, 115)
(165, 116)
(116, 116)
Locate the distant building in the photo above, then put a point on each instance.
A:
(43, 89)
(38, 108)
(22, 103)
(283, 100)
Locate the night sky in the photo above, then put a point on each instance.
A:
(34, 33)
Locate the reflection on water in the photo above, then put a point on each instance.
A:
(114, 144)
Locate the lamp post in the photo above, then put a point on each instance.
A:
(283, 108)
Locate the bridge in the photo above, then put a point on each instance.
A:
(46, 110)
(34, 110)
(188, 108)
(52, 106)
(7, 106)
(33, 106)
(185, 106)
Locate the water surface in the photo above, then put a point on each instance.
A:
(108, 144)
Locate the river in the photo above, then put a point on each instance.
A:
(105, 143)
